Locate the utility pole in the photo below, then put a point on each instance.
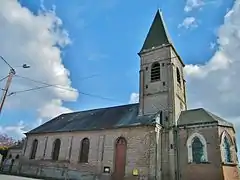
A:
(11, 73)
(9, 80)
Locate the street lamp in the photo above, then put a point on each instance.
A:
(11, 73)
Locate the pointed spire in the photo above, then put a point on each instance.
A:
(157, 34)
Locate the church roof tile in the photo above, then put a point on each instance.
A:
(119, 116)
(157, 35)
(200, 116)
(97, 119)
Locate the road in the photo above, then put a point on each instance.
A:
(6, 177)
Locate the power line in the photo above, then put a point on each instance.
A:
(4, 78)
(6, 62)
(26, 90)
(67, 89)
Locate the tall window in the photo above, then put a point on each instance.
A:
(155, 72)
(178, 76)
(197, 148)
(227, 150)
(84, 151)
(34, 149)
(56, 149)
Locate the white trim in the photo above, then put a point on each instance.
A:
(189, 146)
(225, 133)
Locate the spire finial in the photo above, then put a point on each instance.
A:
(158, 6)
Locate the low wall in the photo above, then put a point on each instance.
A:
(45, 171)
(57, 171)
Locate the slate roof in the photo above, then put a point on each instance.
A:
(200, 116)
(97, 119)
(119, 116)
(157, 34)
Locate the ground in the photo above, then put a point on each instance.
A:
(6, 177)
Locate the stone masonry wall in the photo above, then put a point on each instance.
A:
(212, 170)
(230, 171)
(140, 149)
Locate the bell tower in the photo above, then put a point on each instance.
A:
(162, 85)
(162, 91)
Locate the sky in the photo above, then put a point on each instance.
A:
(83, 55)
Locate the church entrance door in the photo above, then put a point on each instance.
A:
(120, 158)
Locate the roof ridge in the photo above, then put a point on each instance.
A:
(109, 107)
(214, 116)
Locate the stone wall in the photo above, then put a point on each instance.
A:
(230, 170)
(213, 168)
(140, 150)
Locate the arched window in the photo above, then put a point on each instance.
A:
(56, 149)
(178, 76)
(197, 148)
(84, 151)
(34, 149)
(155, 72)
(227, 150)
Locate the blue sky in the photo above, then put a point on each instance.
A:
(105, 39)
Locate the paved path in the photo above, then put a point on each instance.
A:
(6, 177)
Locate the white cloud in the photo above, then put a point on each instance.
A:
(193, 4)
(134, 98)
(15, 131)
(32, 39)
(215, 83)
(188, 22)
(53, 109)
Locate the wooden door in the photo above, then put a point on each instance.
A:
(120, 158)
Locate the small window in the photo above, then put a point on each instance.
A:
(227, 147)
(56, 149)
(155, 72)
(178, 76)
(227, 150)
(146, 86)
(34, 149)
(197, 149)
(164, 83)
(84, 151)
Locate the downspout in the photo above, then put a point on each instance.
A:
(156, 154)
(185, 98)
(177, 153)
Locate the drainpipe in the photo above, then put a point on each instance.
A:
(156, 154)
(177, 153)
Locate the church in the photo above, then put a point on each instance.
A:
(158, 138)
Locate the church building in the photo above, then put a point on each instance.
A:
(158, 138)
